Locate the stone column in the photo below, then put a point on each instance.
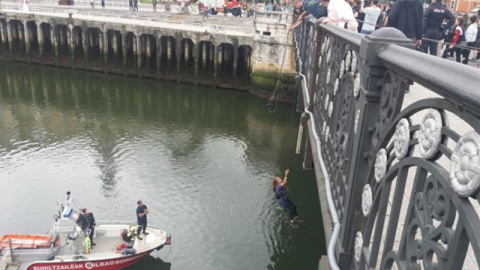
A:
(40, 38)
(101, 44)
(215, 61)
(124, 47)
(219, 57)
(196, 57)
(159, 54)
(105, 46)
(187, 51)
(115, 44)
(85, 44)
(204, 54)
(235, 63)
(139, 50)
(134, 46)
(71, 44)
(10, 35)
(27, 38)
(149, 48)
(178, 54)
(3, 34)
(53, 40)
(169, 49)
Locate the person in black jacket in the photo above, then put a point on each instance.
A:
(407, 16)
(91, 223)
(434, 16)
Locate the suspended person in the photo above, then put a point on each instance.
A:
(142, 212)
(280, 189)
(458, 38)
(470, 38)
(340, 13)
(434, 16)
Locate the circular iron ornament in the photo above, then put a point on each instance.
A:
(354, 62)
(342, 69)
(380, 165)
(358, 246)
(366, 200)
(327, 99)
(430, 133)
(348, 60)
(326, 133)
(330, 109)
(335, 88)
(356, 86)
(401, 138)
(465, 166)
(355, 124)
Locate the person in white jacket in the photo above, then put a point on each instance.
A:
(340, 13)
(470, 38)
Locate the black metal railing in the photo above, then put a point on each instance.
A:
(404, 171)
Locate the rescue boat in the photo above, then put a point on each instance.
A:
(64, 246)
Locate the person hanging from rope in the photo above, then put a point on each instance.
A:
(280, 190)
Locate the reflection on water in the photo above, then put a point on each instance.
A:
(201, 159)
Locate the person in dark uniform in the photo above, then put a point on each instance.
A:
(310, 7)
(91, 223)
(142, 212)
(434, 16)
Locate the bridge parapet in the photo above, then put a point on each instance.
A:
(401, 177)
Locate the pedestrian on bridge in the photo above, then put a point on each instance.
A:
(92, 4)
(135, 5)
(103, 4)
(130, 3)
(154, 3)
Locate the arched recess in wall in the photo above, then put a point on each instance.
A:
(115, 50)
(206, 55)
(225, 63)
(187, 60)
(77, 42)
(130, 62)
(33, 38)
(93, 43)
(18, 37)
(244, 65)
(148, 50)
(169, 57)
(62, 41)
(48, 49)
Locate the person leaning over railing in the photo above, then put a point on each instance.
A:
(340, 13)
(309, 7)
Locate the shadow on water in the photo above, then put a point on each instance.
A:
(202, 159)
(151, 263)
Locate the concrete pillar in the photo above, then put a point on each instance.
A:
(105, 46)
(149, 48)
(115, 44)
(10, 35)
(235, 63)
(53, 38)
(100, 43)
(71, 44)
(27, 38)
(219, 55)
(85, 44)
(134, 45)
(178, 54)
(40, 39)
(139, 50)
(215, 61)
(169, 48)
(124, 47)
(159, 54)
(3, 34)
(204, 54)
(187, 51)
(91, 41)
(196, 57)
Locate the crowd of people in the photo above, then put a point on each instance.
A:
(428, 27)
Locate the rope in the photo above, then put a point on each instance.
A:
(274, 94)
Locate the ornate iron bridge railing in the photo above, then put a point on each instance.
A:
(405, 176)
